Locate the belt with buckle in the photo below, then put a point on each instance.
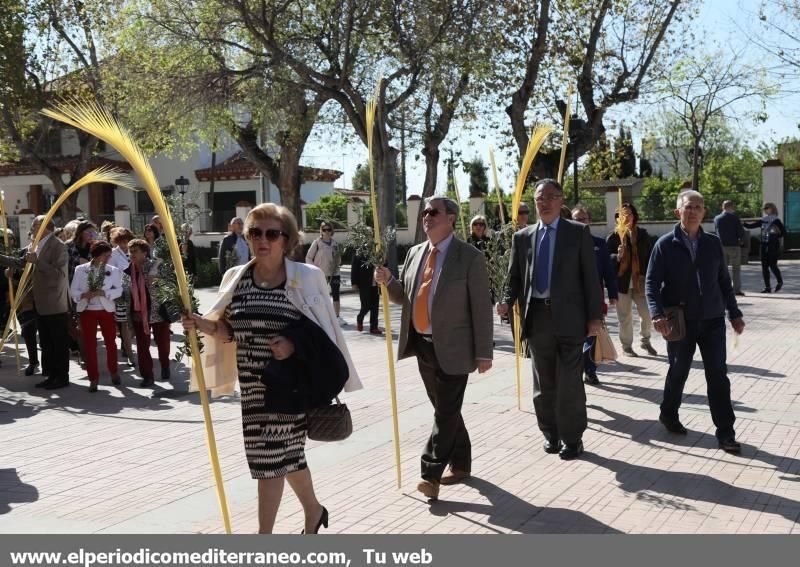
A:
(541, 301)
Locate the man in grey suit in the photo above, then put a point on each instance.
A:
(447, 324)
(553, 276)
(51, 297)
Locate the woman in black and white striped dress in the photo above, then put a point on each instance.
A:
(257, 302)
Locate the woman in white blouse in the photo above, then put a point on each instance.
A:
(94, 288)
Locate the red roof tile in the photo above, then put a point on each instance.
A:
(239, 167)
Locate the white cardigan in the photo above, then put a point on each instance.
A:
(306, 288)
(112, 287)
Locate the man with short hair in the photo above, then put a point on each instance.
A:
(51, 297)
(731, 233)
(553, 277)
(447, 324)
(233, 250)
(687, 270)
(156, 221)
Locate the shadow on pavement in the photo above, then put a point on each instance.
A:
(655, 395)
(509, 512)
(644, 481)
(13, 490)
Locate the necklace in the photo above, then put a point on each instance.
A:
(275, 278)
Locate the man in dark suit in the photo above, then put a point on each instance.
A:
(362, 280)
(608, 279)
(447, 324)
(553, 277)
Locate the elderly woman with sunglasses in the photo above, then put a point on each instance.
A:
(244, 331)
(326, 255)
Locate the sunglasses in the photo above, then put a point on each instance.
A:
(271, 234)
(431, 212)
(479, 224)
(327, 230)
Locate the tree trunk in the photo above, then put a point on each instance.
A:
(431, 153)
(290, 179)
(696, 165)
(386, 165)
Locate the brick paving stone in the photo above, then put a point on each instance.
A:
(134, 460)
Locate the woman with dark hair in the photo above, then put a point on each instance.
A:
(630, 256)
(772, 230)
(95, 286)
(144, 312)
(78, 246)
(151, 234)
(252, 327)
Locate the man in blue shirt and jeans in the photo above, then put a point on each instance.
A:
(731, 232)
(687, 269)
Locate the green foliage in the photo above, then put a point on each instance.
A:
(360, 180)
(207, 274)
(329, 207)
(658, 198)
(400, 215)
(478, 181)
(498, 255)
(361, 241)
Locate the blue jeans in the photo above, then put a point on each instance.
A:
(709, 335)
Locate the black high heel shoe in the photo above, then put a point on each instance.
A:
(323, 521)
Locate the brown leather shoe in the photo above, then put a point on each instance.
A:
(429, 488)
(454, 476)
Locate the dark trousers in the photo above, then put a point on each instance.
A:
(54, 338)
(769, 261)
(709, 335)
(27, 320)
(449, 441)
(369, 296)
(589, 365)
(559, 397)
(145, 360)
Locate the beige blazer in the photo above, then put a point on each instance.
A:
(461, 317)
(307, 289)
(50, 280)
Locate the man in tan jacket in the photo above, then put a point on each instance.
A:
(447, 323)
(51, 297)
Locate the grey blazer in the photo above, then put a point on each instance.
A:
(574, 283)
(50, 282)
(461, 315)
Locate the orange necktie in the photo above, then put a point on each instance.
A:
(422, 319)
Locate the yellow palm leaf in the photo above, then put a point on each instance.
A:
(538, 137)
(97, 121)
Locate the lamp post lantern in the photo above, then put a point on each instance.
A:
(182, 183)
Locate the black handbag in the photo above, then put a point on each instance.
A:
(329, 423)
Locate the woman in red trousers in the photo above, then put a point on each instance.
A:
(94, 288)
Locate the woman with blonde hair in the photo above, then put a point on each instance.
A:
(246, 330)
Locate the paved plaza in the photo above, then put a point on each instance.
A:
(134, 460)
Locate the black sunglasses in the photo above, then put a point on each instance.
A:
(430, 212)
(271, 234)
(327, 230)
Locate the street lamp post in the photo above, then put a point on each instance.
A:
(182, 183)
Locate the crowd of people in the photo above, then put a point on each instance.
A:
(260, 331)
(85, 278)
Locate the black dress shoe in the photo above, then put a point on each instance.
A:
(44, 383)
(766, 290)
(552, 447)
(571, 451)
(165, 373)
(590, 377)
(30, 370)
(323, 521)
(778, 287)
(730, 445)
(57, 383)
(148, 382)
(673, 425)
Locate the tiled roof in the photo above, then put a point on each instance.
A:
(239, 167)
(65, 163)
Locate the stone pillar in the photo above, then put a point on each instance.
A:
(25, 217)
(772, 183)
(303, 221)
(354, 209)
(413, 204)
(612, 203)
(122, 216)
(242, 208)
(477, 206)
